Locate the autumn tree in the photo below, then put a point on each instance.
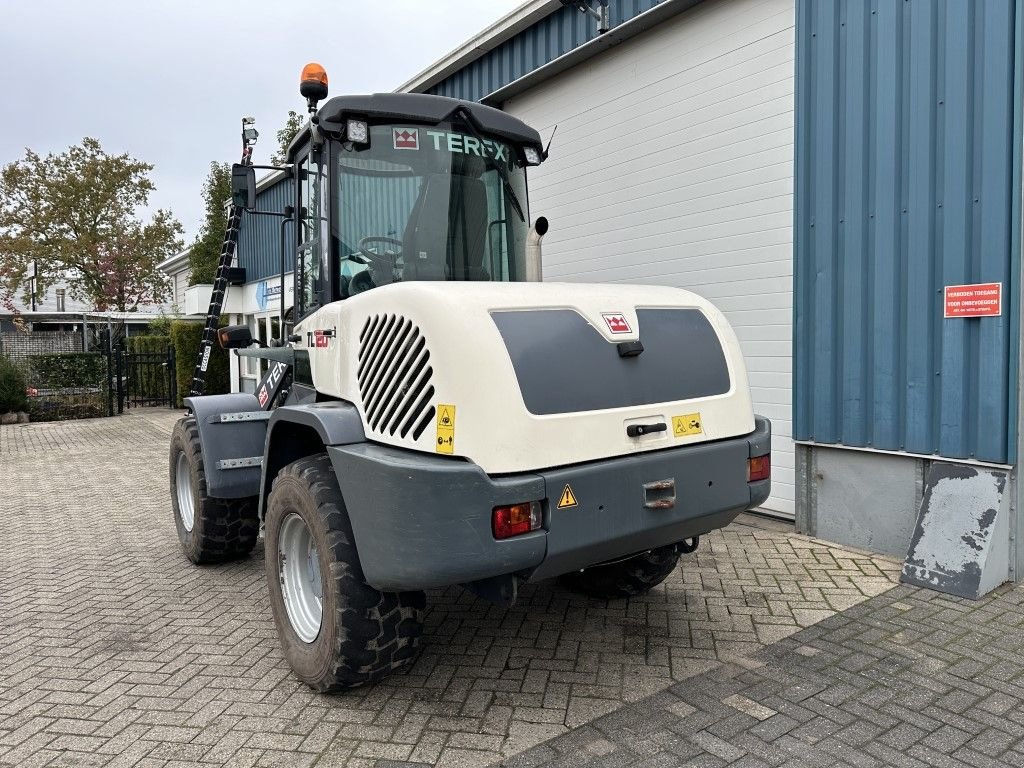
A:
(205, 251)
(289, 131)
(77, 215)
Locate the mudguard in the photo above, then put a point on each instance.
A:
(229, 440)
(300, 430)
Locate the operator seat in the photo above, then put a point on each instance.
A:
(445, 236)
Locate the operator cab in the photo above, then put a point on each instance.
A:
(400, 187)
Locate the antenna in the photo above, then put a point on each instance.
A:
(551, 138)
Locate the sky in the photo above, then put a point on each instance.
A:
(168, 81)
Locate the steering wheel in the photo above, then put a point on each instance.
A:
(365, 242)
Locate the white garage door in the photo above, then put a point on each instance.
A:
(673, 164)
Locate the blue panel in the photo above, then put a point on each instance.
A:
(562, 31)
(907, 180)
(259, 239)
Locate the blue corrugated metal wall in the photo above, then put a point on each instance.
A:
(906, 165)
(562, 31)
(259, 238)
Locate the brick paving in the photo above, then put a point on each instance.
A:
(114, 650)
(909, 678)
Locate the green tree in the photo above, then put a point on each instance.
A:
(76, 214)
(291, 128)
(205, 251)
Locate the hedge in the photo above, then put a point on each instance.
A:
(69, 370)
(70, 385)
(12, 387)
(186, 337)
(149, 345)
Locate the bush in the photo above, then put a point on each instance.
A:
(161, 326)
(69, 370)
(69, 385)
(12, 387)
(149, 345)
(186, 337)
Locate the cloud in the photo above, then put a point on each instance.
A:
(169, 81)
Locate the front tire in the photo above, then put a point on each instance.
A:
(336, 631)
(634, 576)
(210, 530)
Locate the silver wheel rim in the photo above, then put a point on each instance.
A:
(299, 571)
(183, 484)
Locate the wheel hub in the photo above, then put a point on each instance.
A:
(183, 486)
(301, 582)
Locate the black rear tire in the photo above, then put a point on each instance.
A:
(217, 530)
(364, 634)
(634, 576)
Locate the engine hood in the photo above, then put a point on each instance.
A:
(525, 376)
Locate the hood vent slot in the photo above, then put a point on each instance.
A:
(394, 376)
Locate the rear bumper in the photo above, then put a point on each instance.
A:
(424, 521)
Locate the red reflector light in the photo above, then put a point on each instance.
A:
(759, 468)
(515, 519)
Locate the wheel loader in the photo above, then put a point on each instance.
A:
(435, 415)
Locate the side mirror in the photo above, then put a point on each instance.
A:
(234, 337)
(243, 186)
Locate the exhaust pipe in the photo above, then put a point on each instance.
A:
(533, 256)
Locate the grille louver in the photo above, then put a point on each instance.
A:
(394, 376)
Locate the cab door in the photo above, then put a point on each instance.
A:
(312, 289)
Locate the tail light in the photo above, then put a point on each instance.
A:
(515, 519)
(759, 468)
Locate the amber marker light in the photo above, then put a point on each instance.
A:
(313, 82)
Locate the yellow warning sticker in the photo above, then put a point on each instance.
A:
(568, 498)
(445, 428)
(686, 425)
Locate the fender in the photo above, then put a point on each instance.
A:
(295, 431)
(221, 440)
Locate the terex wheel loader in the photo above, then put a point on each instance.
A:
(434, 415)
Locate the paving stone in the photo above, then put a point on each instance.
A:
(114, 649)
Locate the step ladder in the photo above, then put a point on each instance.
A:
(220, 283)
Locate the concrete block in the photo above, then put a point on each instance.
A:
(961, 542)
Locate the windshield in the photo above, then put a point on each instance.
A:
(429, 203)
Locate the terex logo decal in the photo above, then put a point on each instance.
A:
(616, 322)
(406, 138)
(468, 145)
(319, 338)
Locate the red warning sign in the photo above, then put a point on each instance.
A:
(978, 300)
(617, 323)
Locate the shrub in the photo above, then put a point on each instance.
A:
(149, 345)
(69, 370)
(161, 326)
(12, 387)
(186, 336)
(69, 385)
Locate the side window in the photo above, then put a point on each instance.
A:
(311, 220)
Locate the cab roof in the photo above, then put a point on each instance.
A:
(417, 108)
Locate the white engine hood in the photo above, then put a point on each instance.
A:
(447, 368)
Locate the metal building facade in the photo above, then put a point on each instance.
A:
(555, 35)
(259, 237)
(907, 179)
